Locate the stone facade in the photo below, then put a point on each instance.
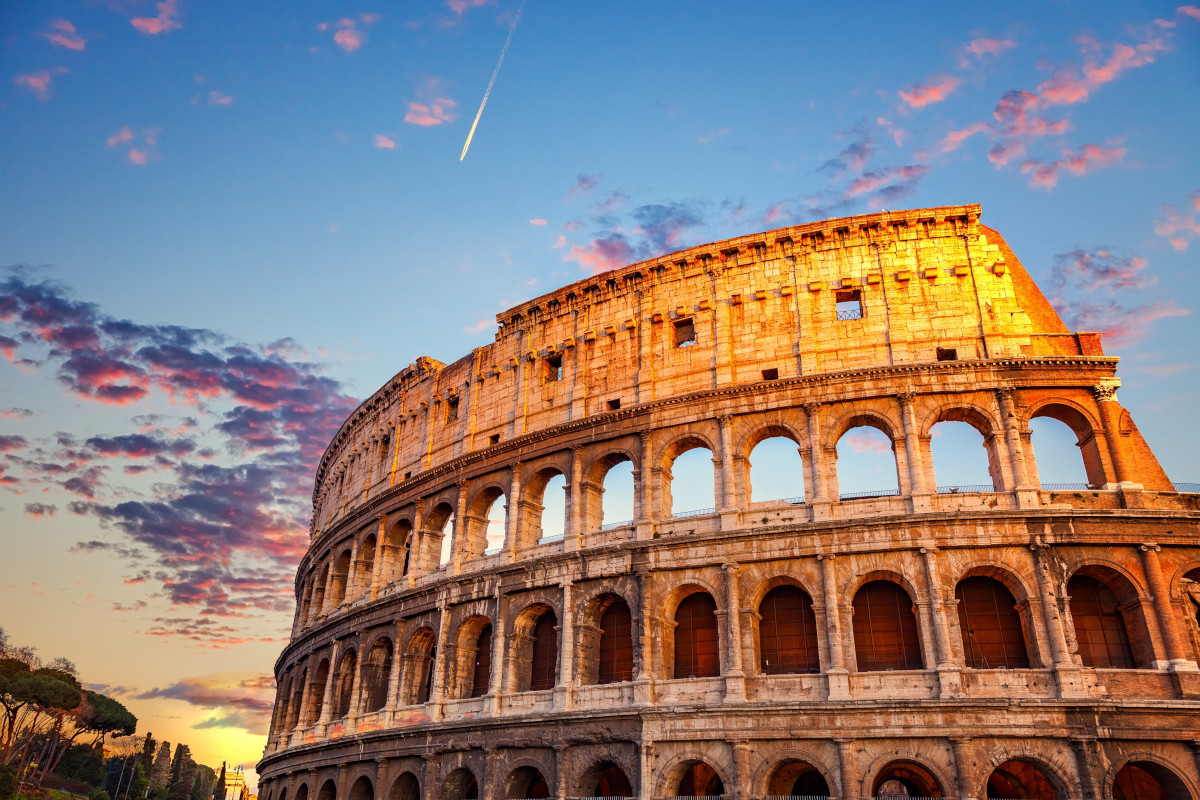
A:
(1018, 641)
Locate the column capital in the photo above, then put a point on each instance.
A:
(1005, 393)
(906, 398)
(1150, 547)
(1105, 392)
(826, 556)
(812, 406)
(731, 566)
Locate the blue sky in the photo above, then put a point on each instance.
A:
(272, 194)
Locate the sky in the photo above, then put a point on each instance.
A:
(224, 223)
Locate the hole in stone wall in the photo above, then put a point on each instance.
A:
(554, 368)
(947, 354)
(849, 304)
(685, 332)
(452, 409)
(614, 405)
(770, 374)
(494, 439)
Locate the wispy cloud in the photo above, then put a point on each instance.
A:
(1073, 84)
(39, 82)
(583, 185)
(480, 326)
(712, 136)
(432, 106)
(1089, 158)
(165, 21)
(984, 46)
(39, 510)
(538, 223)
(241, 700)
(63, 34)
(346, 31)
(140, 147)
(460, 7)
(216, 98)
(935, 89)
(1179, 227)
(384, 143)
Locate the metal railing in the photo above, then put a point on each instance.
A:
(1187, 487)
(872, 493)
(1068, 487)
(696, 513)
(966, 488)
(796, 797)
(850, 313)
(608, 526)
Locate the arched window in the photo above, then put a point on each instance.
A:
(481, 675)
(1019, 780)
(700, 780)
(606, 779)
(293, 715)
(616, 644)
(343, 685)
(417, 678)
(543, 673)
(616, 507)
(396, 550)
(377, 672)
(1065, 449)
(318, 594)
(316, 693)
(866, 464)
(497, 524)
(328, 791)
(437, 539)
(526, 783)
(697, 650)
(775, 471)
(962, 460)
(302, 792)
(341, 574)
(364, 570)
(1100, 626)
(691, 488)
(362, 789)
(900, 780)
(885, 628)
(406, 787)
(1146, 780)
(992, 635)
(461, 785)
(787, 632)
(795, 778)
(545, 506)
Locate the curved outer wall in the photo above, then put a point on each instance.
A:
(413, 666)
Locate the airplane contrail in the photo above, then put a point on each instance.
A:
(492, 82)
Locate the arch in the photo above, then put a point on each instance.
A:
(484, 531)
(861, 458)
(405, 787)
(283, 792)
(607, 495)
(472, 663)
(787, 632)
(526, 782)
(992, 632)
(461, 785)
(696, 473)
(535, 501)
(904, 779)
(344, 683)
(339, 579)
(534, 647)
(1021, 779)
(316, 692)
(328, 790)
(1106, 612)
(885, 628)
(283, 700)
(604, 779)
(417, 681)
(318, 592)
(953, 458)
(362, 789)
(699, 779)
(397, 551)
(696, 641)
(1081, 424)
(794, 777)
(780, 474)
(364, 569)
(1146, 779)
(604, 638)
(293, 715)
(302, 792)
(377, 672)
(436, 543)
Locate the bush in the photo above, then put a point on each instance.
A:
(98, 794)
(8, 781)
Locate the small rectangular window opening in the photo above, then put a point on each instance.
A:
(613, 405)
(554, 368)
(385, 448)
(685, 332)
(849, 304)
(494, 439)
(452, 409)
(947, 354)
(407, 475)
(770, 374)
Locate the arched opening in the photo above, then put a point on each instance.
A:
(605, 779)
(417, 682)
(697, 649)
(535, 649)
(482, 674)
(487, 523)
(1019, 780)
(787, 632)
(397, 550)
(700, 780)
(377, 673)
(688, 486)
(904, 779)
(282, 705)
(437, 540)
(304, 604)
(316, 692)
(526, 782)
(341, 574)
(885, 628)
(962, 460)
(775, 471)
(544, 502)
(1146, 780)
(343, 684)
(318, 592)
(283, 793)
(866, 463)
(461, 785)
(616, 644)
(1065, 449)
(473, 658)
(796, 778)
(293, 715)
(364, 571)
(1101, 625)
(992, 634)
(328, 791)
(406, 787)
(362, 789)
(616, 482)
(302, 792)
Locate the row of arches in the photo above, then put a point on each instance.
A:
(687, 476)
(900, 779)
(995, 629)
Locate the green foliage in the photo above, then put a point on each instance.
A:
(103, 715)
(82, 763)
(8, 781)
(99, 794)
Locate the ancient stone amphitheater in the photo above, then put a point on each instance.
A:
(1011, 640)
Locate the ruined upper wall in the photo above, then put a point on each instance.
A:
(930, 283)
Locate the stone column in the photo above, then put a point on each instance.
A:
(1067, 672)
(1026, 489)
(343, 772)
(962, 768)
(352, 578)
(848, 766)
(837, 675)
(1167, 622)
(496, 678)
(918, 491)
(429, 786)
(461, 532)
(437, 696)
(645, 772)
(644, 680)
(393, 692)
(643, 498)
(727, 505)
(574, 502)
(1110, 418)
(488, 778)
(741, 769)
(513, 524)
(381, 779)
(420, 542)
(565, 687)
(949, 673)
(305, 705)
(735, 677)
(560, 772)
(327, 694)
(821, 498)
(1089, 787)
(355, 689)
(380, 556)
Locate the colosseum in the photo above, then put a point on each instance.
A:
(1007, 640)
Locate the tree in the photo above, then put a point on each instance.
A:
(202, 786)
(219, 788)
(160, 771)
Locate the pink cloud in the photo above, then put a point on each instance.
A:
(123, 135)
(1089, 158)
(538, 223)
(954, 139)
(349, 39)
(1071, 85)
(583, 185)
(164, 22)
(140, 147)
(39, 82)
(348, 35)
(460, 7)
(937, 89)
(480, 327)
(867, 441)
(988, 47)
(884, 179)
(1178, 228)
(384, 142)
(63, 34)
(431, 107)
(897, 133)
(602, 255)
(216, 98)
(1189, 11)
